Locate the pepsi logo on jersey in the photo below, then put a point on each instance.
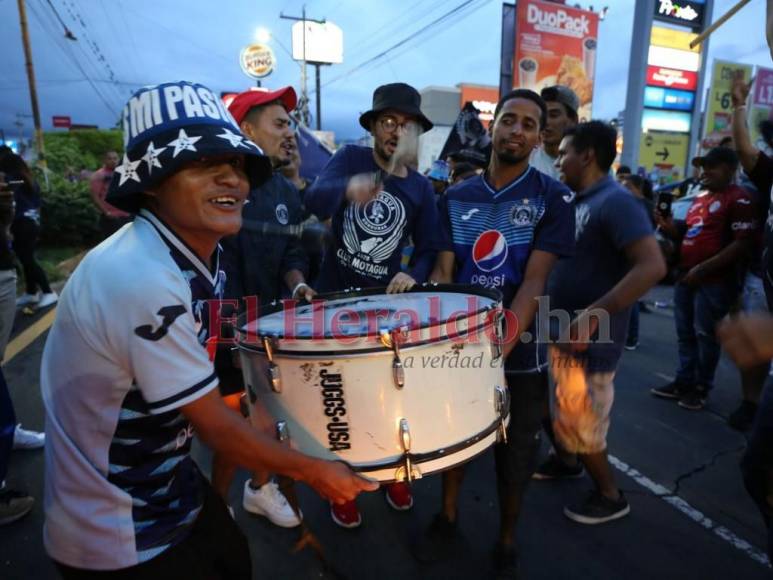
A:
(490, 250)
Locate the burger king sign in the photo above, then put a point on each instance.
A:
(257, 60)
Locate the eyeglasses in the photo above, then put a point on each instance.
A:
(390, 124)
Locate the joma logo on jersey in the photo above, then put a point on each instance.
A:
(168, 315)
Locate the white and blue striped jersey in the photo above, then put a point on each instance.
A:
(127, 350)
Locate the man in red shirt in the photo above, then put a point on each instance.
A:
(111, 218)
(717, 237)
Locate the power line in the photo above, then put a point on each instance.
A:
(67, 32)
(73, 59)
(457, 9)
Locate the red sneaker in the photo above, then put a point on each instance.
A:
(346, 514)
(399, 496)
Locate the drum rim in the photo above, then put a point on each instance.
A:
(421, 458)
(277, 306)
(355, 352)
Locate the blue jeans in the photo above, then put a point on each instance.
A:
(696, 314)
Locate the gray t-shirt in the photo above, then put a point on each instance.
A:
(544, 163)
(608, 218)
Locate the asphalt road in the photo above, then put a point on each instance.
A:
(690, 518)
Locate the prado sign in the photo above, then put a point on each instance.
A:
(684, 12)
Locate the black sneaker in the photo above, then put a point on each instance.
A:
(672, 390)
(14, 505)
(694, 400)
(631, 344)
(597, 509)
(439, 541)
(554, 468)
(505, 562)
(743, 417)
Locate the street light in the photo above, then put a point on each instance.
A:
(262, 35)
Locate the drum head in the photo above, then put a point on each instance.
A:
(367, 312)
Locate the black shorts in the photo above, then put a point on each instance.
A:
(214, 549)
(516, 460)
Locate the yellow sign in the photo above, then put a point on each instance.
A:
(257, 60)
(718, 109)
(670, 38)
(662, 150)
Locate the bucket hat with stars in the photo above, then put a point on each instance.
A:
(168, 125)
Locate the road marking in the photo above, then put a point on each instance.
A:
(28, 335)
(696, 515)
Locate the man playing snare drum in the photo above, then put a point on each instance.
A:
(505, 229)
(126, 376)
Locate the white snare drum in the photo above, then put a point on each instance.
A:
(397, 386)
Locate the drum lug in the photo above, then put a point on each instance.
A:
(392, 340)
(498, 334)
(282, 431)
(274, 374)
(501, 404)
(398, 372)
(407, 472)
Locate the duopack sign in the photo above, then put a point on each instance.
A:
(556, 45)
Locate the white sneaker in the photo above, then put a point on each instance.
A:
(47, 299)
(25, 299)
(268, 501)
(24, 439)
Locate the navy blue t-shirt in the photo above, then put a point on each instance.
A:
(369, 238)
(492, 234)
(609, 219)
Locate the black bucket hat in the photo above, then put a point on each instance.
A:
(397, 97)
(168, 125)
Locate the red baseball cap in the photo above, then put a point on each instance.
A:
(257, 96)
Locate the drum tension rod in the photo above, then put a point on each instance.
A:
(501, 403)
(496, 344)
(392, 340)
(274, 375)
(408, 472)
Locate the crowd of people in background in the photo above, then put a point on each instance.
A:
(597, 238)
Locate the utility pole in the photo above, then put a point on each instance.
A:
(304, 108)
(25, 38)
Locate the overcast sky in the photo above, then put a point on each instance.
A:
(139, 42)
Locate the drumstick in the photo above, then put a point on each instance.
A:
(306, 537)
(720, 21)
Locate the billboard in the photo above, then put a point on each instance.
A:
(484, 98)
(665, 151)
(719, 105)
(658, 120)
(674, 58)
(761, 104)
(658, 76)
(324, 42)
(556, 45)
(684, 12)
(660, 98)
